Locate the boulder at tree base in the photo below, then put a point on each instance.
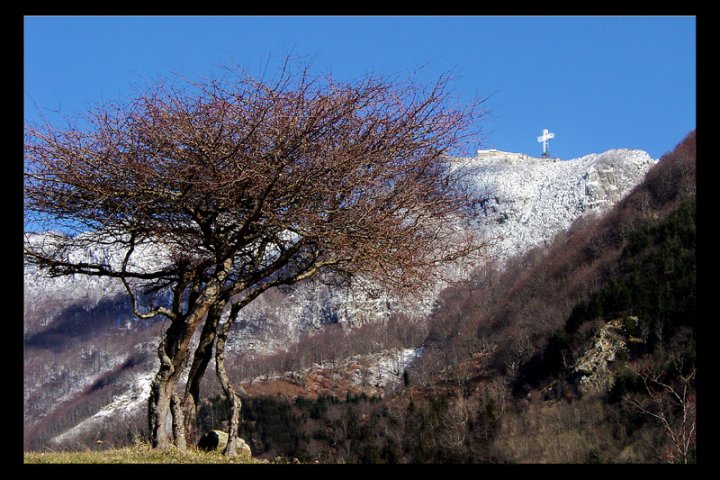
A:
(217, 440)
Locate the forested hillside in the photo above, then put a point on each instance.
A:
(582, 351)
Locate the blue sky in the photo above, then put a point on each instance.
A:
(596, 82)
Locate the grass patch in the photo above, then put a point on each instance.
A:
(138, 454)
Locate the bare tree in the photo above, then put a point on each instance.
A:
(238, 185)
(672, 404)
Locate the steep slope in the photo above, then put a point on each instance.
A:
(562, 357)
(570, 338)
(529, 200)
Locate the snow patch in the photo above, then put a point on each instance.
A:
(122, 406)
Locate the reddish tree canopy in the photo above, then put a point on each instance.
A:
(246, 184)
(353, 174)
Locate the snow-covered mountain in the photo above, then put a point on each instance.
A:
(531, 199)
(528, 201)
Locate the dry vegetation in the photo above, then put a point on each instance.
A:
(141, 453)
(561, 432)
(495, 382)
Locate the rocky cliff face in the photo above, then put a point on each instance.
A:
(531, 199)
(594, 368)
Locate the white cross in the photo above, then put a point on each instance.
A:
(544, 140)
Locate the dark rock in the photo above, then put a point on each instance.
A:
(217, 440)
(211, 440)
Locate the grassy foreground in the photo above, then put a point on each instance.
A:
(138, 454)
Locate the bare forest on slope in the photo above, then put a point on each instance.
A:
(590, 342)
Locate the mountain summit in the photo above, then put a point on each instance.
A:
(531, 199)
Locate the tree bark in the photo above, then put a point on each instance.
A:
(173, 352)
(158, 406)
(163, 398)
(178, 423)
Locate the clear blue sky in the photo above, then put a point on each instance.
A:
(597, 82)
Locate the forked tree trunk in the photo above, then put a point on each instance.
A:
(163, 386)
(164, 403)
(201, 359)
(173, 352)
(164, 400)
(230, 394)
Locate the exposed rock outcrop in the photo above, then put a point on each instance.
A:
(593, 369)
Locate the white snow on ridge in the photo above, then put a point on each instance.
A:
(374, 373)
(52, 295)
(121, 407)
(531, 199)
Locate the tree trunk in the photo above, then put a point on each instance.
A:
(201, 359)
(164, 400)
(233, 398)
(163, 403)
(163, 387)
(158, 407)
(178, 424)
(173, 352)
